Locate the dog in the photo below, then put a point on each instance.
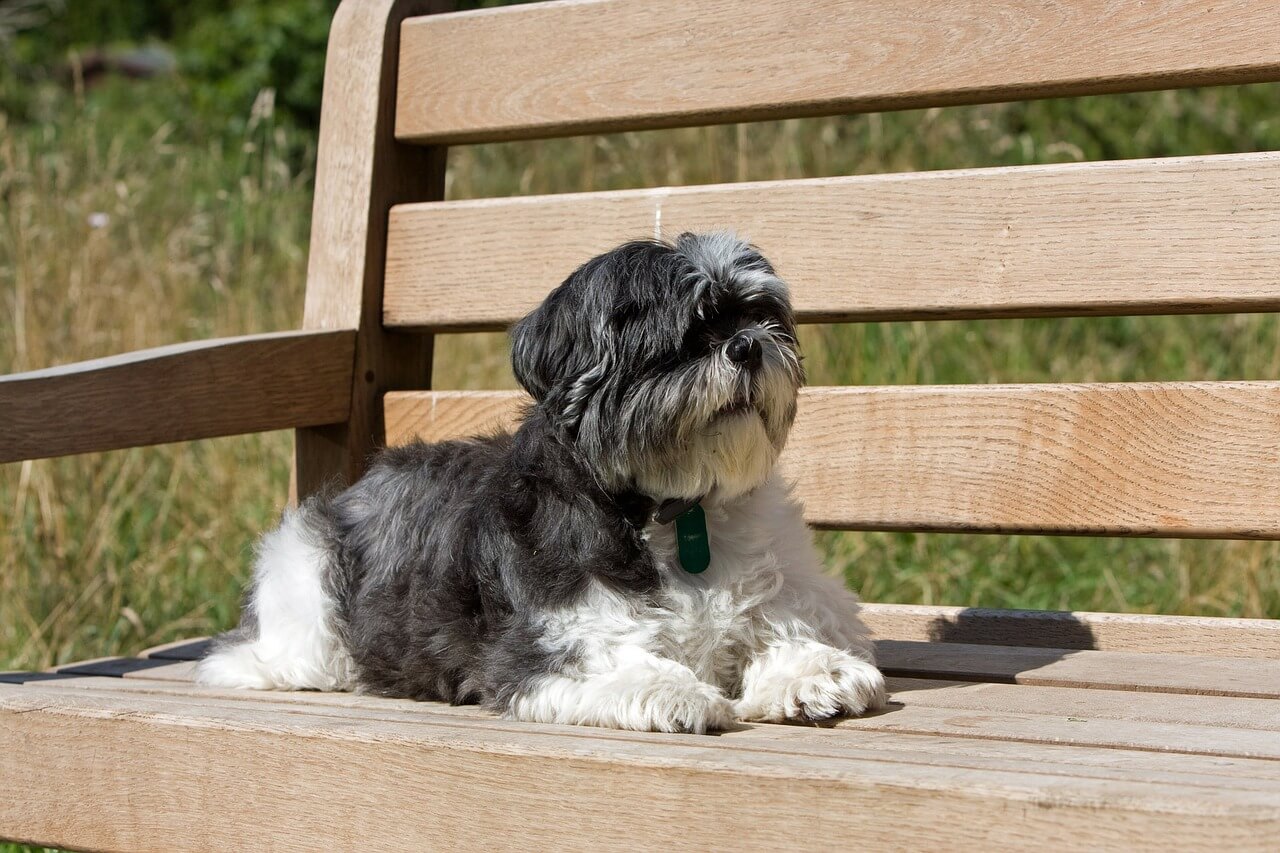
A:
(629, 557)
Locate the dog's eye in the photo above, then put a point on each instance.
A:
(722, 326)
(709, 333)
(699, 340)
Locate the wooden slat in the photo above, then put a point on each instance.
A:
(1042, 728)
(1083, 703)
(187, 391)
(920, 708)
(444, 415)
(1181, 459)
(1023, 714)
(1152, 459)
(1178, 235)
(1117, 632)
(1205, 676)
(577, 67)
(354, 778)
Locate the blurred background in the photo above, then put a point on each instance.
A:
(156, 163)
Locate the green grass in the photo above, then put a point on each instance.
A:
(108, 553)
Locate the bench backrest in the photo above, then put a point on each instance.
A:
(1185, 235)
(391, 264)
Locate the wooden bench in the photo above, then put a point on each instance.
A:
(1008, 729)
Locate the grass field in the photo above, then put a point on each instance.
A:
(122, 230)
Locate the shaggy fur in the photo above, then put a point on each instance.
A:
(527, 572)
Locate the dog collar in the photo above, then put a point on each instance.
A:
(669, 510)
(692, 544)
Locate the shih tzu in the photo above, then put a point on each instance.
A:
(629, 557)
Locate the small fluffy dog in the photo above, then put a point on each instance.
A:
(628, 557)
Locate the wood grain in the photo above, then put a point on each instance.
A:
(1256, 679)
(555, 69)
(1185, 459)
(1004, 725)
(444, 415)
(201, 389)
(360, 173)
(1116, 632)
(1087, 704)
(1178, 235)
(353, 779)
(1153, 722)
(1210, 690)
(1060, 702)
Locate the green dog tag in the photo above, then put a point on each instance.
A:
(691, 540)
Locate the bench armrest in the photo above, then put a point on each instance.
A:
(201, 389)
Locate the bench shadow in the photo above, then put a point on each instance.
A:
(113, 668)
(1059, 629)
(194, 650)
(1040, 637)
(110, 668)
(28, 677)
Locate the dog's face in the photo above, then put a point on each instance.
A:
(673, 368)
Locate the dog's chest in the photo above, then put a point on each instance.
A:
(710, 621)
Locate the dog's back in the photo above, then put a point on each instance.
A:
(334, 576)
(428, 577)
(415, 606)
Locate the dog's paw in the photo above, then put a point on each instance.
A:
(810, 683)
(680, 705)
(643, 693)
(848, 690)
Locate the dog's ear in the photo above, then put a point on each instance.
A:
(552, 347)
(532, 354)
(567, 348)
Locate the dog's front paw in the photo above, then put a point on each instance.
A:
(680, 705)
(643, 693)
(808, 683)
(849, 689)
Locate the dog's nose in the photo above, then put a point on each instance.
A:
(744, 349)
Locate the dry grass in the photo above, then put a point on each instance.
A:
(105, 552)
(112, 552)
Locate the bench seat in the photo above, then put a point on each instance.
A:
(1000, 745)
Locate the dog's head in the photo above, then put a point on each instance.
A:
(672, 367)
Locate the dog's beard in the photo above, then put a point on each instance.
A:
(711, 429)
(722, 460)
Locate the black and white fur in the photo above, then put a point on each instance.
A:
(526, 572)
